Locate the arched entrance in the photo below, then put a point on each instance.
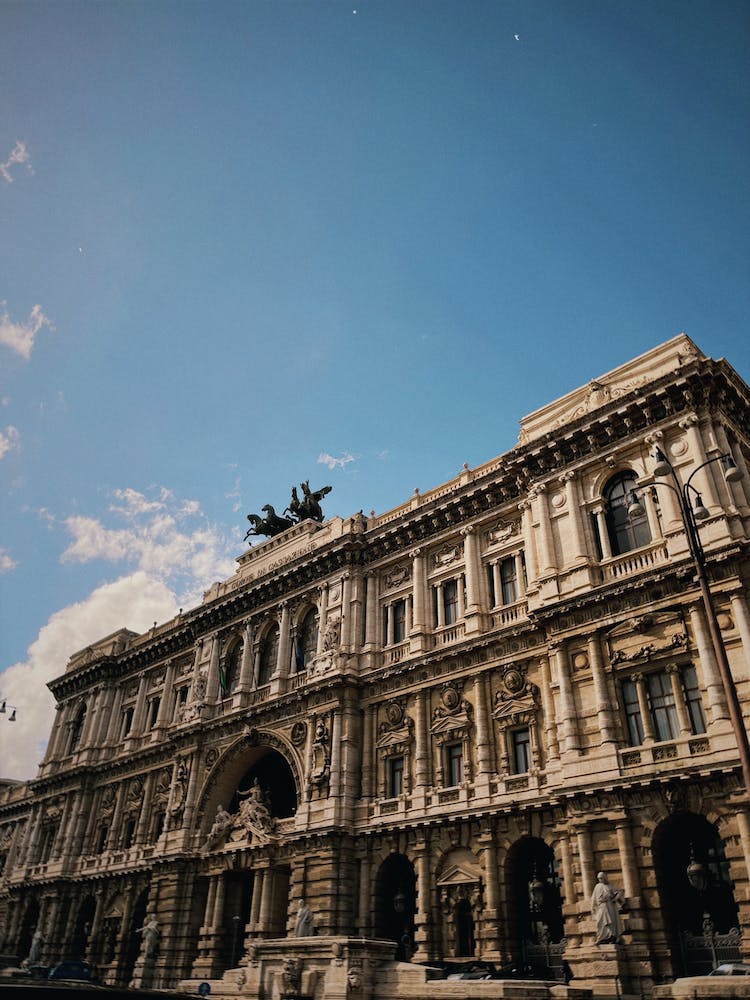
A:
(134, 940)
(275, 777)
(695, 892)
(395, 896)
(82, 929)
(535, 919)
(28, 926)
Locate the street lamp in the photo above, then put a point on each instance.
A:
(692, 511)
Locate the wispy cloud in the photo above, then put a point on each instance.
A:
(9, 439)
(20, 336)
(18, 155)
(7, 562)
(165, 536)
(335, 463)
(235, 495)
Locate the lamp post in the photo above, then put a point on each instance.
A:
(692, 511)
(698, 879)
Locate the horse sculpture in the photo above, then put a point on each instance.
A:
(308, 508)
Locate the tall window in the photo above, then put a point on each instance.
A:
(660, 697)
(508, 581)
(229, 677)
(399, 621)
(127, 720)
(450, 602)
(395, 777)
(625, 531)
(153, 711)
(269, 650)
(454, 764)
(521, 746)
(76, 730)
(307, 640)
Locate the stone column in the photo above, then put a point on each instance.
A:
(586, 860)
(363, 903)
(473, 580)
(573, 503)
(529, 547)
(566, 861)
(62, 830)
(139, 715)
(743, 824)
(115, 718)
(679, 700)
(520, 574)
(246, 664)
(284, 653)
(371, 616)
(422, 916)
(742, 486)
(115, 830)
(738, 602)
(603, 710)
(703, 480)
(568, 716)
(711, 678)
(601, 527)
(165, 705)
(653, 519)
(145, 814)
(212, 684)
(552, 746)
(484, 754)
(628, 863)
(323, 616)
(335, 778)
(644, 707)
(346, 613)
(93, 707)
(367, 742)
(421, 736)
(440, 605)
(266, 902)
(355, 631)
(547, 556)
(259, 878)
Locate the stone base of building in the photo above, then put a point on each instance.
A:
(705, 987)
(341, 968)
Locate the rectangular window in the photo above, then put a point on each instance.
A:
(450, 602)
(521, 750)
(663, 711)
(153, 711)
(632, 713)
(454, 764)
(509, 581)
(399, 621)
(127, 721)
(159, 821)
(693, 699)
(395, 777)
(101, 840)
(128, 833)
(180, 702)
(48, 839)
(491, 586)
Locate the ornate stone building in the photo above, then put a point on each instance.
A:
(436, 726)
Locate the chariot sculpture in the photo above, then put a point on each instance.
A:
(308, 508)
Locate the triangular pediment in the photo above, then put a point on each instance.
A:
(394, 737)
(461, 873)
(449, 723)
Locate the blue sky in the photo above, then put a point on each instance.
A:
(248, 244)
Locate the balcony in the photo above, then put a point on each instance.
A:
(638, 561)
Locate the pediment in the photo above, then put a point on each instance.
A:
(449, 723)
(394, 737)
(460, 873)
(513, 706)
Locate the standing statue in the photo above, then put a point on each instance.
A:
(150, 933)
(219, 828)
(606, 904)
(305, 925)
(35, 951)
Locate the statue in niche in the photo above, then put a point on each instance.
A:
(150, 934)
(219, 829)
(35, 951)
(606, 904)
(305, 924)
(254, 814)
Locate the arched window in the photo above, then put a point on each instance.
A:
(76, 730)
(269, 651)
(229, 676)
(626, 532)
(307, 640)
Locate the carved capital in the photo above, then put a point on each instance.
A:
(690, 420)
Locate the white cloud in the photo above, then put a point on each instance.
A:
(335, 463)
(166, 537)
(9, 439)
(19, 154)
(20, 336)
(235, 495)
(134, 602)
(7, 562)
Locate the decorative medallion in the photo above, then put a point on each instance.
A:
(299, 732)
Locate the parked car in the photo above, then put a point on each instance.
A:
(72, 969)
(731, 969)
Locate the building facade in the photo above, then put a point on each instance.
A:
(435, 726)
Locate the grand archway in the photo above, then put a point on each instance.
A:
(395, 898)
(695, 891)
(535, 919)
